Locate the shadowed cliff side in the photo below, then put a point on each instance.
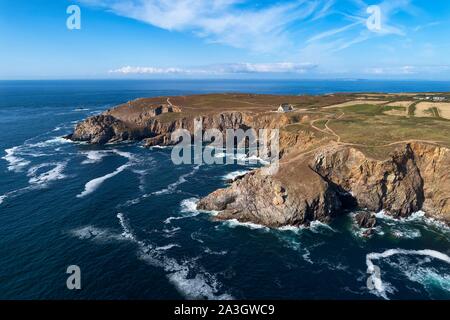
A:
(321, 173)
(334, 178)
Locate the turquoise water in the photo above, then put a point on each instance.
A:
(126, 215)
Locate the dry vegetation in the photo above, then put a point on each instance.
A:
(375, 125)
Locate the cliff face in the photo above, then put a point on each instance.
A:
(266, 200)
(100, 130)
(122, 124)
(309, 186)
(414, 177)
(106, 128)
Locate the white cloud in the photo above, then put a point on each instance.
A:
(332, 32)
(262, 29)
(147, 70)
(232, 68)
(408, 70)
(343, 38)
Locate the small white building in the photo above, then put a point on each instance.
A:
(438, 98)
(285, 107)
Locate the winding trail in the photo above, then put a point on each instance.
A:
(330, 131)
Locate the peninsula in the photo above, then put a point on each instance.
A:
(338, 152)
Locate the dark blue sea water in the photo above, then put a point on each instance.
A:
(126, 215)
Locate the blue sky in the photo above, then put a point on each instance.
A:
(226, 39)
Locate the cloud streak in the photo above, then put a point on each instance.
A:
(220, 69)
(229, 22)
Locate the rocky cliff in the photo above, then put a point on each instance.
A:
(106, 128)
(336, 177)
(317, 179)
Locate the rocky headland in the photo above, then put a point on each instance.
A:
(321, 175)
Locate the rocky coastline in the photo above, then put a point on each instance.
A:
(309, 186)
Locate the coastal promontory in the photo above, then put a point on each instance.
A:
(338, 152)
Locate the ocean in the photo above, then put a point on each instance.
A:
(126, 214)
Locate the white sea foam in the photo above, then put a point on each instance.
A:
(169, 232)
(429, 278)
(189, 205)
(141, 174)
(47, 143)
(195, 235)
(94, 184)
(233, 223)
(16, 163)
(124, 154)
(97, 234)
(167, 247)
(406, 233)
(307, 256)
(316, 226)
(94, 156)
(380, 288)
(291, 228)
(2, 198)
(173, 186)
(187, 277)
(127, 234)
(201, 286)
(241, 157)
(15, 155)
(217, 253)
(188, 208)
(42, 179)
(233, 175)
(419, 216)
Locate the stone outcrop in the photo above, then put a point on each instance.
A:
(365, 219)
(274, 201)
(414, 177)
(315, 185)
(101, 129)
(106, 128)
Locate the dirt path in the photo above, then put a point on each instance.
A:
(328, 130)
(390, 144)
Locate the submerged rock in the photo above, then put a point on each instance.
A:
(366, 220)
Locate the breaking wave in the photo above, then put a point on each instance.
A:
(42, 179)
(233, 223)
(381, 289)
(16, 163)
(173, 186)
(188, 208)
(94, 157)
(317, 227)
(94, 184)
(15, 156)
(233, 175)
(202, 285)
